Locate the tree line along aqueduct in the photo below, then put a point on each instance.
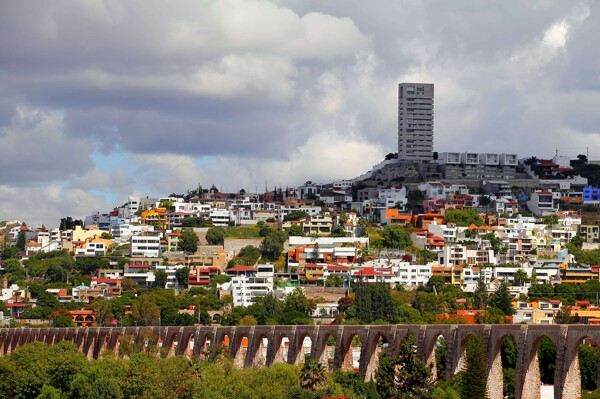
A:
(256, 346)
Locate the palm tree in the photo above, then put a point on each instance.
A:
(312, 375)
(520, 277)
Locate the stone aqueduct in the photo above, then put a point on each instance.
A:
(264, 345)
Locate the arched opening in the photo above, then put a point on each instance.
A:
(539, 378)
(328, 355)
(174, 345)
(438, 358)
(260, 354)
(242, 350)
(352, 355)
(306, 348)
(189, 350)
(588, 355)
(461, 364)
(582, 371)
(501, 377)
(379, 344)
(282, 350)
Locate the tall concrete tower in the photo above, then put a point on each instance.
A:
(415, 122)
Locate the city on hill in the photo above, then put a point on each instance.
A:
(422, 238)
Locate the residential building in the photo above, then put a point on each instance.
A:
(591, 195)
(248, 283)
(93, 247)
(200, 276)
(320, 225)
(220, 217)
(146, 245)
(589, 233)
(415, 122)
(544, 203)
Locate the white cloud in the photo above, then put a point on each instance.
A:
(34, 148)
(47, 204)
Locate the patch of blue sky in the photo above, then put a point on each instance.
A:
(205, 160)
(111, 161)
(111, 197)
(61, 113)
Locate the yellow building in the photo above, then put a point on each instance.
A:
(173, 241)
(156, 217)
(80, 234)
(575, 275)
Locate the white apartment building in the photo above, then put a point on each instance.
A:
(145, 245)
(171, 279)
(455, 255)
(126, 230)
(247, 283)
(92, 248)
(396, 271)
(450, 233)
(130, 207)
(544, 203)
(220, 217)
(390, 196)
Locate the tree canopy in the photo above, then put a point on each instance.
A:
(188, 241)
(463, 217)
(395, 236)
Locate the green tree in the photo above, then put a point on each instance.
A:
(491, 316)
(547, 360)
(188, 241)
(474, 378)
(520, 277)
(145, 311)
(395, 236)
(295, 230)
(588, 366)
(183, 276)
(563, 316)
(296, 309)
(374, 302)
(463, 217)
(88, 265)
(312, 376)
(540, 291)
(9, 252)
(295, 215)
(160, 278)
(61, 318)
(104, 311)
(21, 240)
(502, 299)
(550, 220)
(272, 245)
(215, 235)
(480, 295)
(404, 376)
(248, 256)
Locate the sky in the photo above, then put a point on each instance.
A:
(101, 99)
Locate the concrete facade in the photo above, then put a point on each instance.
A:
(267, 345)
(415, 122)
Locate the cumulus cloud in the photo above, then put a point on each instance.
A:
(47, 204)
(34, 148)
(239, 92)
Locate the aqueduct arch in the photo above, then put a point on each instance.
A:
(193, 342)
